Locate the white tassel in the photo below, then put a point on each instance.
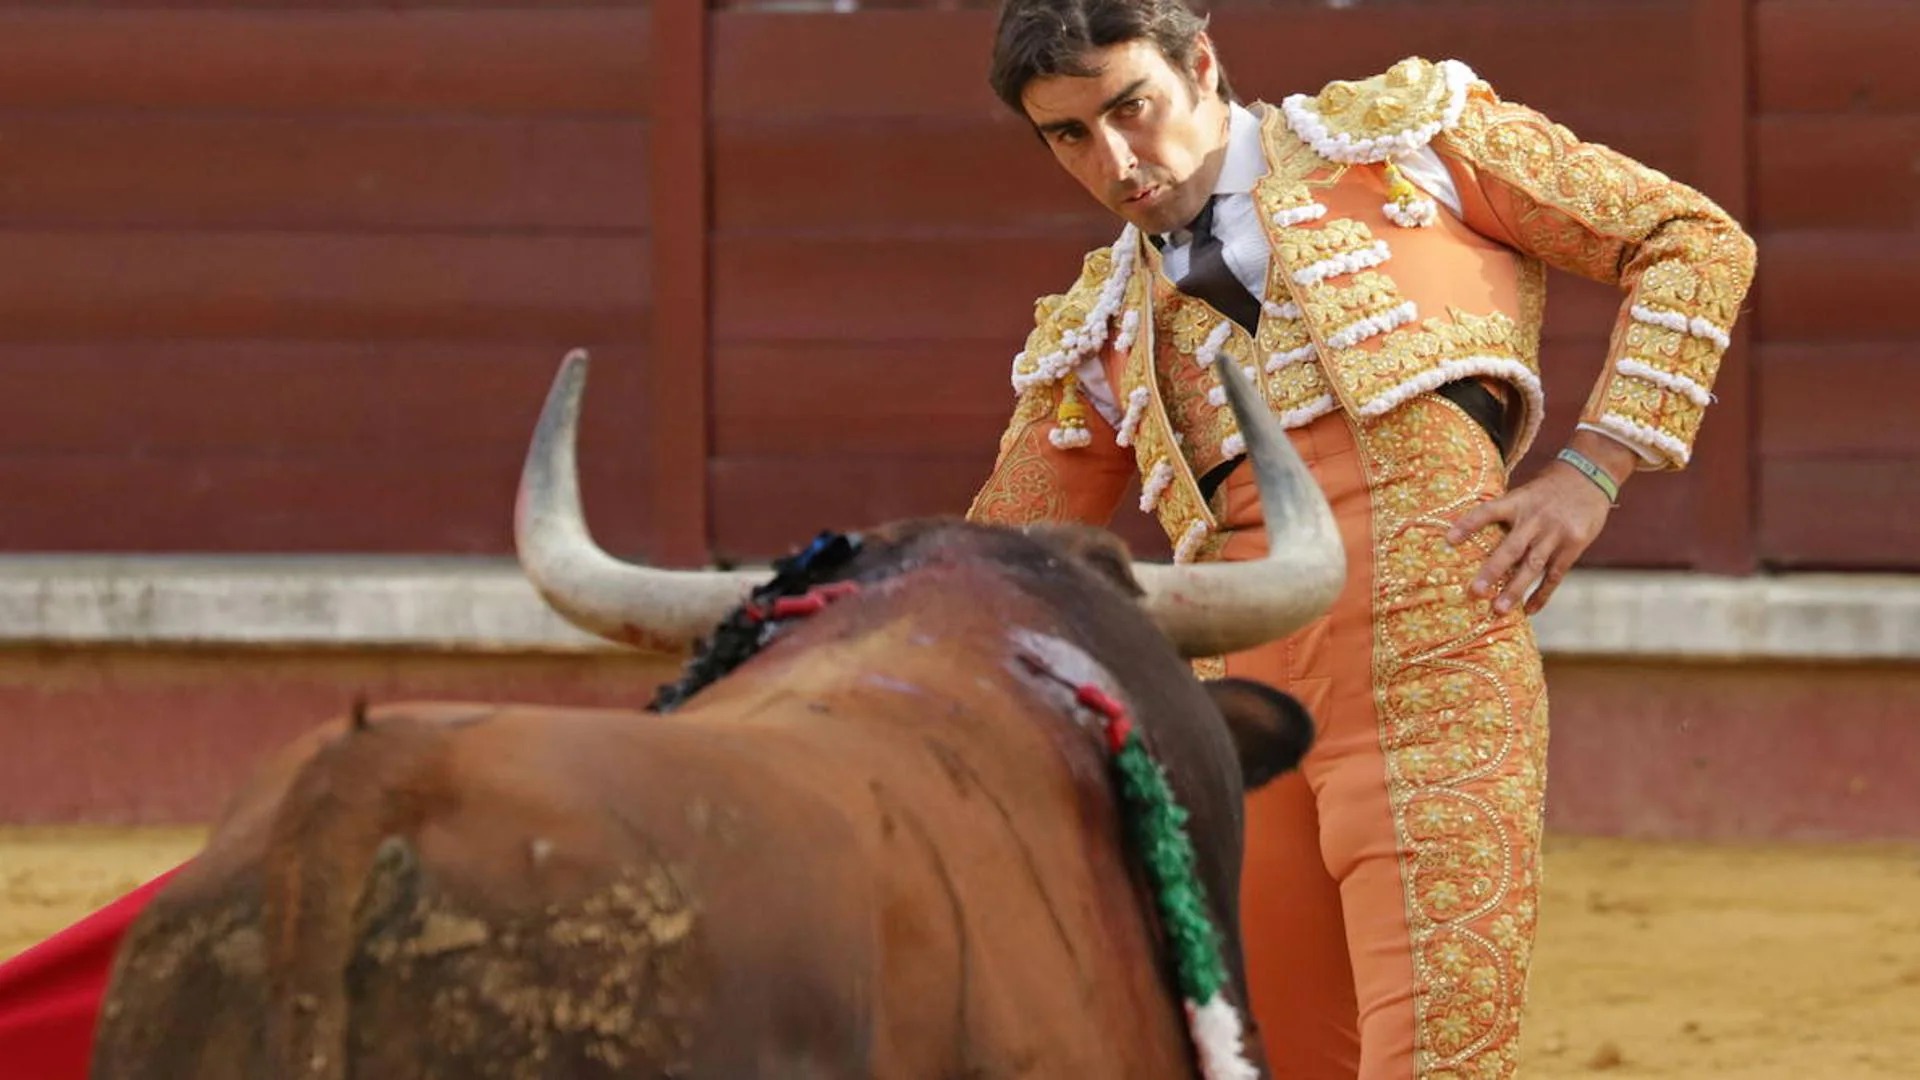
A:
(1219, 1039)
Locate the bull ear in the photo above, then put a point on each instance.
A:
(1271, 730)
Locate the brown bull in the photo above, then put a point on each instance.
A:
(885, 844)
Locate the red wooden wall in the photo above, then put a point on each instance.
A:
(292, 277)
(1836, 185)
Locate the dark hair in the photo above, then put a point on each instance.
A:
(1038, 38)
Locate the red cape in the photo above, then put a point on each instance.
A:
(50, 994)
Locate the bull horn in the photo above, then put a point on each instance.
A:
(643, 606)
(1223, 607)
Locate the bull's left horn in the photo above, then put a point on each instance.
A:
(1225, 607)
(636, 605)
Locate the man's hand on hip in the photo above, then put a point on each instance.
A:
(1551, 520)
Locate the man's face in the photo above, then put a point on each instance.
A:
(1139, 135)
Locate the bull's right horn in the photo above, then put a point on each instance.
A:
(1217, 608)
(650, 608)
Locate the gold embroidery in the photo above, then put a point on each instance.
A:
(1301, 247)
(1392, 109)
(1179, 504)
(1672, 351)
(1462, 705)
(1335, 308)
(1376, 374)
(1649, 405)
(1023, 488)
(1591, 211)
(1533, 308)
(1209, 667)
(1188, 323)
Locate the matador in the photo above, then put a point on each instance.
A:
(1374, 256)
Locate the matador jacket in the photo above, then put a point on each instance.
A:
(1374, 295)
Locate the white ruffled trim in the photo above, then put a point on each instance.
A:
(1347, 262)
(1701, 328)
(1219, 1040)
(1306, 414)
(1130, 423)
(1069, 438)
(1500, 367)
(1285, 310)
(1217, 395)
(1281, 360)
(1092, 333)
(1374, 325)
(1415, 213)
(1129, 326)
(1190, 541)
(1233, 445)
(1297, 215)
(1210, 348)
(1639, 436)
(1303, 116)
(1666, 380)
(1680, 324)
(1157, 483)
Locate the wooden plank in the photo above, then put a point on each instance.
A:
(1831, 286)
(933, 397)
(766, 506)
(142, 736)
(278, 399)
(512, 61)
(1720, 515)
(790, 65)
(455, 503)
(141, 286)
(926, 175)
(235, 171)
(1838, 400)
(1836, 55)
(1840, 513)
(294, 6)
(1796, 157)
(672, 430)
(913, 175)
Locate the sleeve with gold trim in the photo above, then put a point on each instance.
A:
(1683, 262)
(1034, 480)
(1058, 459)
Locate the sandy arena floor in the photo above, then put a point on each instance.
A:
(1655, 960)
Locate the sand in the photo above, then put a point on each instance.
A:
(1654, 959)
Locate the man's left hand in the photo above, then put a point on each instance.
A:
(1551, 520)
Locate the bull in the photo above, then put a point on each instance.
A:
(872, 832)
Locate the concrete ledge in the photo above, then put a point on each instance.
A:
(485, 605)
(431, 604)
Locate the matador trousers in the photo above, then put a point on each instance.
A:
(1389, 896)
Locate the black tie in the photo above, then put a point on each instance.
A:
(1209, 277)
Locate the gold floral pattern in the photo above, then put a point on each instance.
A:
(1302, 247)
(1023, 489)
(1337, 310)
(1462, 704)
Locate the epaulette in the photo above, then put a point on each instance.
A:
(1070, 327)
(1399, 110)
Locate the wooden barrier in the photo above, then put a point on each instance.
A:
(278, 279)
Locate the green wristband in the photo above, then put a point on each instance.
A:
(1592, 472)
